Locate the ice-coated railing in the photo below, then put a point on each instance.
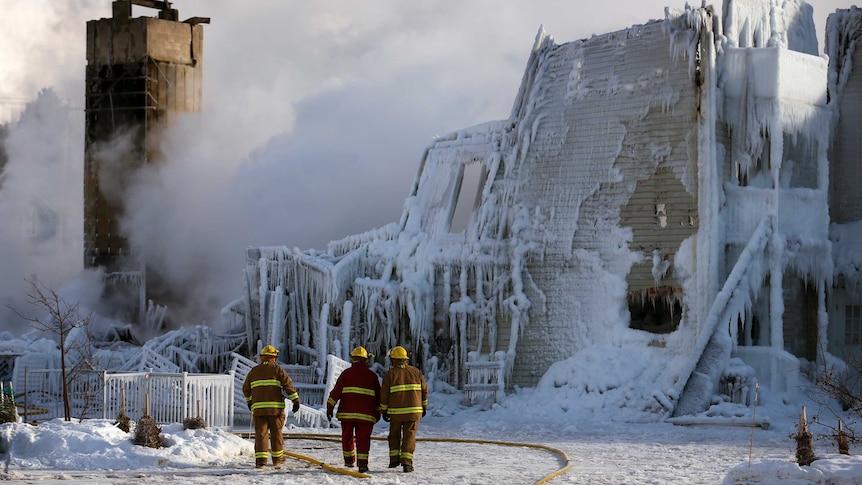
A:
(168, 398)
(486, 378)
(775, 368)
(171, 398)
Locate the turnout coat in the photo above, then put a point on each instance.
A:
(263, 389)
(404, 393)
(358, 389)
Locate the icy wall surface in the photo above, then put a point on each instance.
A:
(665, 160)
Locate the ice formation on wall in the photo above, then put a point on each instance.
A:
(787, 24)
(543, 270)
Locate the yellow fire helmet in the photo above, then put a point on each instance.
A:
(269, 350)
(359, 352)
(398, 353)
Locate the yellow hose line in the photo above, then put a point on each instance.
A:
(331, 468)
(562, 454)
(344, 471)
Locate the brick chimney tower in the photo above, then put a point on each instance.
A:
(141, 72)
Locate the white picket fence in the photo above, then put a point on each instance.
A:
(168, 397)
(171, 398)
(39, 394)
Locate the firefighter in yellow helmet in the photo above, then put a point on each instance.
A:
(403, 402)
(265, 387)
(358, 389)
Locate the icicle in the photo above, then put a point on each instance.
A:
(776, 302)
(323, 336)
(346, 323)
(684, 29)
(480, 318)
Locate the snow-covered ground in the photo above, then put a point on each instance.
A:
(600, 450)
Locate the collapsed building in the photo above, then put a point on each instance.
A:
(659, 196)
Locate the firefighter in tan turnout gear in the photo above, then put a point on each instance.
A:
(358, 389)
(403, 402)
(265, 387)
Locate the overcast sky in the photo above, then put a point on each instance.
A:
(315, 113)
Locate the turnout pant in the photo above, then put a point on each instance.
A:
(362, 431)
(402, 439)
(268, 438)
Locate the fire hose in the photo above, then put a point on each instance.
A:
(333, 437)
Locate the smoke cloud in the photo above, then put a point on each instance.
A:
(315, 116)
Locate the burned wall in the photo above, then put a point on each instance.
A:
(616, 118)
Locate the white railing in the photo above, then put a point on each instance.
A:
(307, 385)
(312, 393)
(171, 398)
(775, 368)
(486, 379)
(41, 396)
(334, 367)
(314, 416)
(240, 368)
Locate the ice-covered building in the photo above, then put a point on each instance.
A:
(658, 199)
(843, 33)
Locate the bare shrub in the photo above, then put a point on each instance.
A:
(194, 423)
(842, 440)
(124, 422)
(147, 433)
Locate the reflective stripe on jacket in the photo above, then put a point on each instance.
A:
(404, 392)
(358, 389)
(263, 388)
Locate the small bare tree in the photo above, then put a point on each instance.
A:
(57, 316)
(83, 376)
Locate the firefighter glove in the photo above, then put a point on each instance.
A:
(295, 406)
(329, 414)
(385, 416)
(423, 412)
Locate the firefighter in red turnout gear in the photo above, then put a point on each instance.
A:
(358, 389)
(265, 388)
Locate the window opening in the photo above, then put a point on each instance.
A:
(657, 310)
(469, 196)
